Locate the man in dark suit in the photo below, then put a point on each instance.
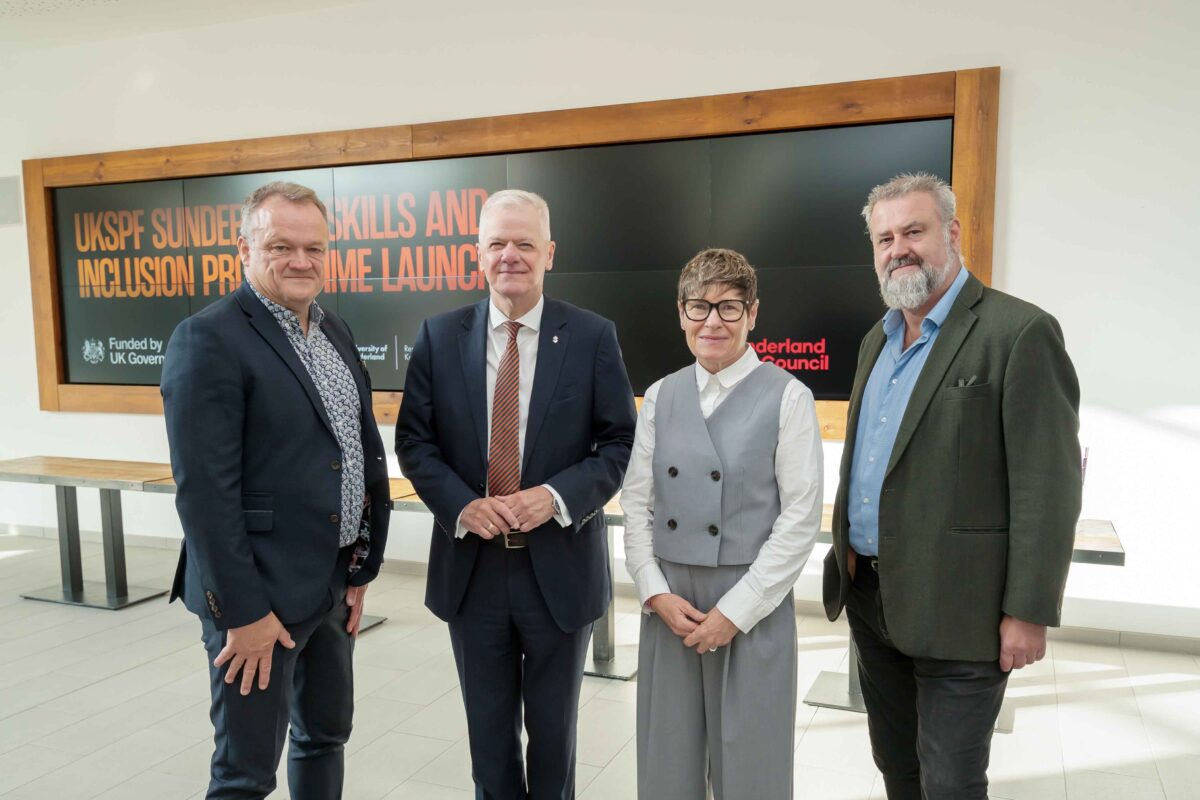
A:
(960, 489)
(515, 429)
(283, 496)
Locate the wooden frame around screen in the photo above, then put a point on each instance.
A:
(970, 97)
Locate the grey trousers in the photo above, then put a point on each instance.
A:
(724, 720)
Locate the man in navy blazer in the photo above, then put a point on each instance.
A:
(284, 501)
(515, 429)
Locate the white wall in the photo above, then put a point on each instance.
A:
(1096, 199)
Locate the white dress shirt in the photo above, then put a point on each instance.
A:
(798, 470)
(527, 347)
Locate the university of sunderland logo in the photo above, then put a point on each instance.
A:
(93, 351)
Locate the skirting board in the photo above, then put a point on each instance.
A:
(94, 537)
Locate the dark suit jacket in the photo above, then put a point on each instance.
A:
(982, 491)
(258, 466)
(578, 439)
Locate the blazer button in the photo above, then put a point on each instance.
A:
(672, 524)
(335, 465)
(672, 471)
(209, 595)
(715, 475)
(713, 530)
(334, 518)
(217, 614)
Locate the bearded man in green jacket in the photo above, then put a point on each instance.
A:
(960, 489)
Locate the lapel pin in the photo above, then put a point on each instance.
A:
(555, 340)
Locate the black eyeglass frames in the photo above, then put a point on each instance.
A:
(728, 310)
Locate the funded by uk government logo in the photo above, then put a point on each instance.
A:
(93, 351)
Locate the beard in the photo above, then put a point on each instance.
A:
(911, 291)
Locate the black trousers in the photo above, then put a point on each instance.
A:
(311, 687)
(930, 720)
(513, 658)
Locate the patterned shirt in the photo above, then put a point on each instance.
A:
(339, 394)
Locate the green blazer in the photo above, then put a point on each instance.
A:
(982, 491)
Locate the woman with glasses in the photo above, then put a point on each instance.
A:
(722, 504)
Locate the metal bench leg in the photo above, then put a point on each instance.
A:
(113, 528)
(837, 689)
(608, 660)
(116, 592)
(68, 541)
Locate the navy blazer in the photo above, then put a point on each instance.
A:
(578, 440)
(258, 467)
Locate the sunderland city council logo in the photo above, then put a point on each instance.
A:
(93, 351)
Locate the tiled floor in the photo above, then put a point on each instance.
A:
(113, 705)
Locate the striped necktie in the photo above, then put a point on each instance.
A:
(504, 451)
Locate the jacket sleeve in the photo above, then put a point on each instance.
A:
(1040, 415)
(418, 447)
(204, 405)
(590, 483)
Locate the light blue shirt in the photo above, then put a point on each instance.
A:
(884, 401)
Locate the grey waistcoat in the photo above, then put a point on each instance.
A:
(715, 494)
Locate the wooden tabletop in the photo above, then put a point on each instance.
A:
(400, 488)
(88, 472)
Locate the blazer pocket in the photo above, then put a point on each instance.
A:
(967, 392)
(257, 520)
(978, 529)
(258, 501)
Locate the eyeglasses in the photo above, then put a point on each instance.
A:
(727, 310)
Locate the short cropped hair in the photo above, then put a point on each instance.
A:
(517, 197)
(292, 192)
(717, 266)
(908, 182)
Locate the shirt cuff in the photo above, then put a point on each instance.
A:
(563, 519)
(743, 607)
(459, 529)
(649, 582)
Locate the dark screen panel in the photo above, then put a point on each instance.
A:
(622, 208)
(125, 284)
(625, 218)
(794, 198)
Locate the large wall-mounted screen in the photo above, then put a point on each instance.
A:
(134, 259)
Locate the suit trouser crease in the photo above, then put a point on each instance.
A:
(930, 720)
(727, 717)
(517, 667)
(311, 688)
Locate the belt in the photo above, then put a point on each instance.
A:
(514, 540)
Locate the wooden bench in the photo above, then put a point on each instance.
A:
(111, 478)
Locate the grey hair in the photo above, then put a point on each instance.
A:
(292, 192)
(908, 182)
(717, 266)
(517, 197)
